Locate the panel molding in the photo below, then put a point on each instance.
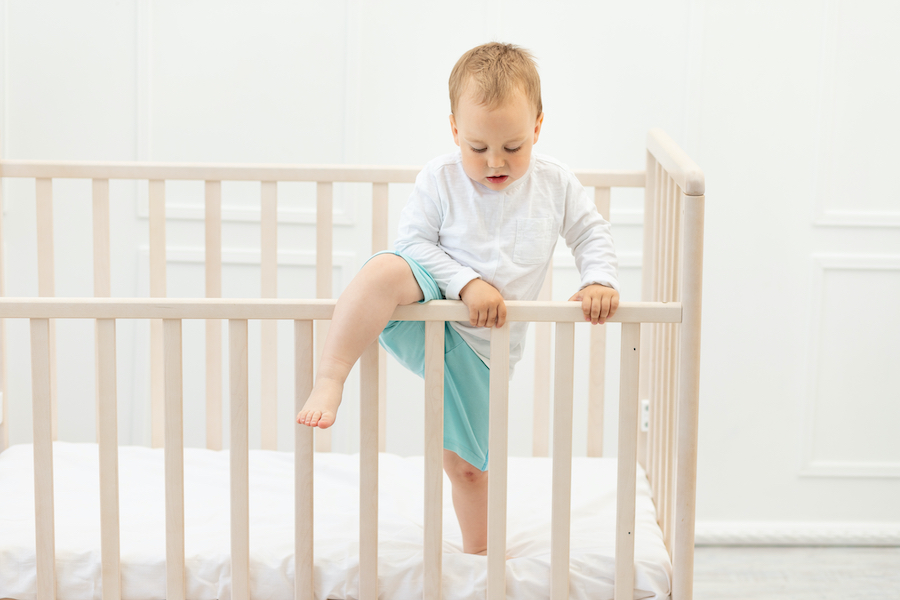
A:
(809, 466)
(197, 212)
(794, 533)
(249, 256)
(342, 261)
(824, 216)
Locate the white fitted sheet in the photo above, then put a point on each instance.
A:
(400, 530)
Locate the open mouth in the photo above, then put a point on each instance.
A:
(498, 178)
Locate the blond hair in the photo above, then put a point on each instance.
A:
(493, 72)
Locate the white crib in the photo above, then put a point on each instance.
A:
(659, 363)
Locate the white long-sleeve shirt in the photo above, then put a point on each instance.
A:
(459, 230)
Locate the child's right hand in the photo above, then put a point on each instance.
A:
(486, 305)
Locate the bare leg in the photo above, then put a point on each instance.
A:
(362, 311)
(470, 487)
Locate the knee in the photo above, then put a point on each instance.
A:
(461, 472)
(388, 271)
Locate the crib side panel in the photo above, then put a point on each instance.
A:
(673, 250)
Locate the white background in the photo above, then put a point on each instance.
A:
(789, 107)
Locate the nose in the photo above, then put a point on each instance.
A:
(495, 160)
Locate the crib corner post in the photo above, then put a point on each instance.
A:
(688, 400)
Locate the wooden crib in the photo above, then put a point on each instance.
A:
(660, 352)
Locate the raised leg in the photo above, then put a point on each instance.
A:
(470, 487)
(361, 313)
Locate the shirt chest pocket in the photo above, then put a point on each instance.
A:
(534, 241)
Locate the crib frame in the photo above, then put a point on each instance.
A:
(660, 363)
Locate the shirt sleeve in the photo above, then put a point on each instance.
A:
(589, 237)
(419, 237)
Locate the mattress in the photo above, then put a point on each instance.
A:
(336, 546)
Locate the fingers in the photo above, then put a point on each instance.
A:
(593, 309)
(491, 315)
(613, 306)
(597, 309)
(473, 316)
(501, 314)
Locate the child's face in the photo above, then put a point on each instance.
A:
(495, 144)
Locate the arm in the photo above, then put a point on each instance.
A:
(419, 235)
(588, 235)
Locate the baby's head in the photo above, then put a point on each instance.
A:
(496, 113)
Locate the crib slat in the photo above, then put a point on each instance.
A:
(627, 460)
(46, 277)
(368, 474)
(379, 217)
(324, 266)
(562, 460)
(174, 460)
(43, 460)
(676, 374)
(540, 444)
(379, 243)
(434, 452)
(498, 451)
(303, 464)
(157, 217)
(240, 462)
(597, 373)
(644, 455)
(44, 203)
(269, 329)
(100, 213)
(665, 354)
(657, 409)
(107, 438)
(100, 189)
(213, 261)
(4, 417)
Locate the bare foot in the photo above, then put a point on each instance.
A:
(321, 407)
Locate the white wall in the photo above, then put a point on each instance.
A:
(790, 108)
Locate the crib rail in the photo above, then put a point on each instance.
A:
(172, 312)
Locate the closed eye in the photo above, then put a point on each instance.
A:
(510, 150)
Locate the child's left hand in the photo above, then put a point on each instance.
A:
(598, 302)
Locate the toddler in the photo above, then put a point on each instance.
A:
(480, 226)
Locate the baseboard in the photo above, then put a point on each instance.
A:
(787, 533)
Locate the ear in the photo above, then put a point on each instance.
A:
(537, 127)
(453, 129)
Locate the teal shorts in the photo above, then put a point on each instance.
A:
(466, 377)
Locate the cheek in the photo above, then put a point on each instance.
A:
(471, 165)
(521, 162)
